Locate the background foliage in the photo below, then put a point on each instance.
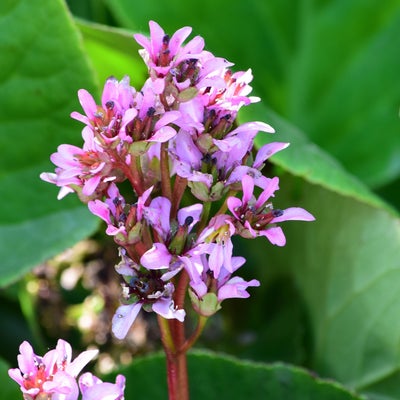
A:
(327, 72)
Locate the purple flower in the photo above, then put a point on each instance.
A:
(54, 374)
(145, 288)
(255, 217)
(237, 143)
(93, 388)
(152, 123)
(111, 211)
(220, 284)
(157, 215)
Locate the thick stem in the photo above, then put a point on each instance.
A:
(182, 375)
(172, 365)
(179, 337)
(178, 388)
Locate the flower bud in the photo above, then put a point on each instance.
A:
(206, 306)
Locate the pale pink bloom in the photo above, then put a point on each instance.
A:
(230, 96)
(93, 388)
(86, 168)
(220, 281)
(54, 374)
(158, 300)
(218, 234)
(237, 143)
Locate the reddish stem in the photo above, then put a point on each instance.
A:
(179, 189)
(178, 388)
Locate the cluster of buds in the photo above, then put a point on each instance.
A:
(174, 177)
(54, 376)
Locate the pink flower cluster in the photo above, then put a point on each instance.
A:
(194, 178)
(54, 376)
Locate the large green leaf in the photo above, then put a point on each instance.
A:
(329, 66)
(212, 376)
(43, 66)
(346, 263)
(113, 52)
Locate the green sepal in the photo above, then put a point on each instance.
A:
(207, 306)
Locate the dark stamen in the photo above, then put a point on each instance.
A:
(277, 213)
(151, 111)
(110, 104)
(165, 40)
(189, 220)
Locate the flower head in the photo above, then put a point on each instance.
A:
(52, 374)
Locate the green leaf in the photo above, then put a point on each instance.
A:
(42, 68)
(113, 52)
(330, 67)
(346, 263)
(9, 388)
(305, 159)
(212, 375)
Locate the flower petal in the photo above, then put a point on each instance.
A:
(123, 319)
(166, 308)
(158, 257)
(294, 213)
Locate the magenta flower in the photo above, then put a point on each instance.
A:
(93, 388)
(256, 217)
(161, 53)
(121, 218)
(108, 120)
(218, 235)
(152, 123)
(53, 375)
(237, 143)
